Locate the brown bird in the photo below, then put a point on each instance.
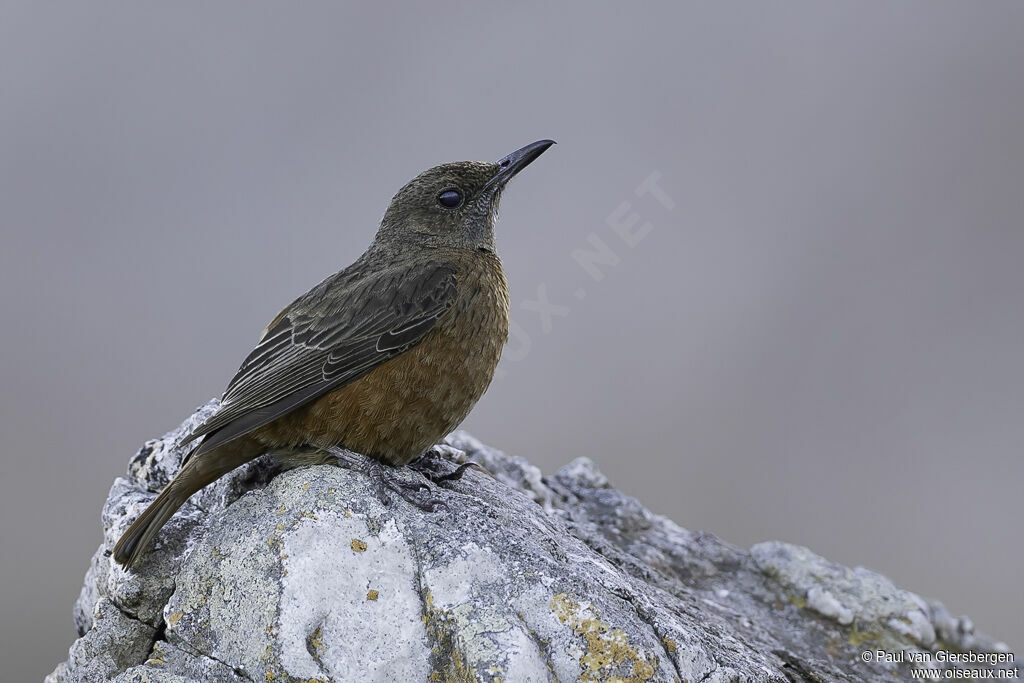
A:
(383, 358)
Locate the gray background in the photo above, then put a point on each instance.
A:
(820, 342)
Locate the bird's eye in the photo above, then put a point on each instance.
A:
(450, 198)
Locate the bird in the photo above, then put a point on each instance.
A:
(384, 358)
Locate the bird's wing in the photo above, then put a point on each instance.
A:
(331, 336)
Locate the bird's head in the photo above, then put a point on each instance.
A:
(453, 205)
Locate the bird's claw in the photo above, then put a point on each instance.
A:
(417, 494)
(430, 464)
(387, 481)
(456, 474)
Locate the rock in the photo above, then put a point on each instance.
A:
(115, 642)
(304, 575)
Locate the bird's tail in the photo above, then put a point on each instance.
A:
(198, 471)
(135, 541)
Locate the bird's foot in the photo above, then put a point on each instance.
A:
(418, 494)
(387, 480)
(433, 464)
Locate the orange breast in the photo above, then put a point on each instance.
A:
(410, 402)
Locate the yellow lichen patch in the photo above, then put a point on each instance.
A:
(608, 654)
(452, 664)
(157, 655)
(670, 644)
(348, 512)
(175, 618)
(357, 545)
(316, 643)
(303, 514)
(305, 486)
(858, 638)
(797, 600)
(372, 595)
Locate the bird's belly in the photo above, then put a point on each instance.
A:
(406, 404)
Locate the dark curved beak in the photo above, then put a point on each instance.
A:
(517, 161)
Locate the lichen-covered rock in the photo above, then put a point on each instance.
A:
(305, 575)
(116, 642)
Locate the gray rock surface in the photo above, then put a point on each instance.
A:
(304, 575)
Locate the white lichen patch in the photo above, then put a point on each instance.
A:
(824, 603)
(452, 584)
(467, 604)
(324, 595)
(915, 625)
